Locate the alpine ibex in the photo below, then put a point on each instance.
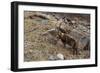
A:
(63, 31)
(67, 39)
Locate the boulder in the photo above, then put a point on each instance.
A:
(82, 40)
(84, 43)
(51, 36)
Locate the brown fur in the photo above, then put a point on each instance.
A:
(66, 39)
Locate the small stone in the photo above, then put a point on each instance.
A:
(51, 57)
(60, 56)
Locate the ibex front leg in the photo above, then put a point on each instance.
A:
(75, 49)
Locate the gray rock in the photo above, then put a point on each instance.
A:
(51, 36)
(60, 56)
(84, 43)
(51, 57)
(82, 39)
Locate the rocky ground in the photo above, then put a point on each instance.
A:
(40, 36)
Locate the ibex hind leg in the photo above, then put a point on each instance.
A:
(75, 50)
(64, 45)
